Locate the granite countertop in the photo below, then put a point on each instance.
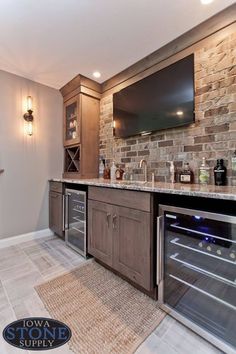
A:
(208, 191)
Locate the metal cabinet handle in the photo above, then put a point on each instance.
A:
(108, 218)
(159, 258)
(66, 212)
(63, 212)
(114, 221)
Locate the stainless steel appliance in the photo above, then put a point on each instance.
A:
(75, 220)
(196, 271)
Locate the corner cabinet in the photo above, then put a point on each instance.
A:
(120, 233)
(81, 128)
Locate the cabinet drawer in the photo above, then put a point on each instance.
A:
(125, 198)
(56, 187)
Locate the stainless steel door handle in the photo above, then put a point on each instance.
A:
(63, 212)
(108, 217)
(114, 221)
(67, 211)
(159, 259)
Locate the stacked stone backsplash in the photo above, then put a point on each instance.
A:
(213, 135)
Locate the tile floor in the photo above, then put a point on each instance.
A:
(25, 265)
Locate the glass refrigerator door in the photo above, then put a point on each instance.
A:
(200, 270)
(76, 220)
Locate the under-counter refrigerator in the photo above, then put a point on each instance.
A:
(196, 272)
(75, 220)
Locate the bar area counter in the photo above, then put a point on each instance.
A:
(194, 190)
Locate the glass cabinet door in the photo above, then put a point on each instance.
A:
(71, 122)
(200, 269)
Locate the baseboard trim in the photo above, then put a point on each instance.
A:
(14, 240)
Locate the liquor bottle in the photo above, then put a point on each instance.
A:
(107, 172)
(172, 172)
(220, 172)
(186, 175)
(113, 171)
(101, 168)
(204, 172)
(233, 161)
(119, 173)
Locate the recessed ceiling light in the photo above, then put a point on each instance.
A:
(179, 113)
(206, 2)
(96, 74)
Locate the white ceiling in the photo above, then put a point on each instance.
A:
(51, 41)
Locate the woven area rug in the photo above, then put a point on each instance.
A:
(104, 312)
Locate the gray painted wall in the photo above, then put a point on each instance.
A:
(28, 161)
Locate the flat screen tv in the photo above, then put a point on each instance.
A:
(162, 100)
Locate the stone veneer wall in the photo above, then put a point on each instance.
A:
(213, 135)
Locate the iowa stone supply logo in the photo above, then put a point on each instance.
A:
(37, 333)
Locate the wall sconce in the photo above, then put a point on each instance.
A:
(28, 117)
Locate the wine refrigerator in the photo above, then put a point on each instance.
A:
(196, 272)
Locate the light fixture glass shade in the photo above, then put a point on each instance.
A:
(29, 103)
(29, 128)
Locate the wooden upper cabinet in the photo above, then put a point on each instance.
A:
(72, 121)
(81, 127)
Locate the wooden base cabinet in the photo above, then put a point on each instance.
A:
(131, 245)
(100, 231)
(121, 237)
(56, 208)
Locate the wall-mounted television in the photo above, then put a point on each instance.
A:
(160, 101)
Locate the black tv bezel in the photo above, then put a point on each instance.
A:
(176, 126)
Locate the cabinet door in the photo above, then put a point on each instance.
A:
(72, 120)
(132, 245)
(100, 231)
(56, 213)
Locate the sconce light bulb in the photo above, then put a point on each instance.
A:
(29, 103)
(29, 128)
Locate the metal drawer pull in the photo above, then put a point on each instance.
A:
(108, 217)
(175, 242)
(203, 292)
(202, 271)
(114, 221)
